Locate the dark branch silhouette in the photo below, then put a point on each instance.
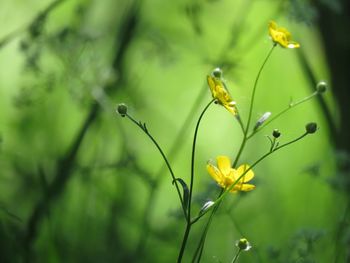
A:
(66, 165)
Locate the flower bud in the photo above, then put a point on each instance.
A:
(206, 206)
(243, 244)
(122, 109)
(321, 87)
(311, 127)
(276, 133)
(262, 119)
(217, 73)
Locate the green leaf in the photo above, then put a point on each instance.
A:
(186, 192)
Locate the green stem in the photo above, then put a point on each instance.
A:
(184, 242)
(193, 159)
(188, 218)
(238, 118)
(245, 133)
(199, 250)
(198, 253)
(292, 105)
(236, 256)
(144, 129)
(251, 107)
(273, 143)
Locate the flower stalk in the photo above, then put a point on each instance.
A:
(245, 135)
(145, 130)
(188, 212)
(290, 106)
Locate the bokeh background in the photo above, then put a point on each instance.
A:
(79, 183)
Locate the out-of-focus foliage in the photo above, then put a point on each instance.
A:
(78, 183)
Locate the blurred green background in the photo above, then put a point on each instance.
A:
(79, 183)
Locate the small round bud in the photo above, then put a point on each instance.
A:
(276, 133)
(243, 244)
(311, 127)
(217, 73)
(321, 87)
(122, 109)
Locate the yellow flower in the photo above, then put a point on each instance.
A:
(281, 36)
(219, 91)
(225, 175)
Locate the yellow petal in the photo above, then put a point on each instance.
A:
(224, 165)
(231, 107)
(248, 176)
(229, 179)
(233, 191)
(222, 184)
(247, 187)
(211, 84)
(281, 36)
(272, 29)
(285, 32)
(214, 173)
(272, 25)
(243, 188)
(293, 44)
(220, 93)
(223, 94)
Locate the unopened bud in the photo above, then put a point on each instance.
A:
(276, 133)
(321, 87)
(243, 244)
(262, 119)
(311, 127)
(206, 206)
(122, 109)
(217, 73)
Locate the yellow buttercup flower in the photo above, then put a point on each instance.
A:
(219, 91)
(225, 175)
(281, 36)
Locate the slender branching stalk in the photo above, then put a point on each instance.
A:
(199, 250)
(244, 140)
(188, 218)
(236, 256)
(198, 253)
(290, 106)
(145, 130)
(193, 158)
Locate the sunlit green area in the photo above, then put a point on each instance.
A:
(80, 183)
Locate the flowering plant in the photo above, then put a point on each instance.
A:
(229, 177)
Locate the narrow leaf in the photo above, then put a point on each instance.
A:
(186, 191)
